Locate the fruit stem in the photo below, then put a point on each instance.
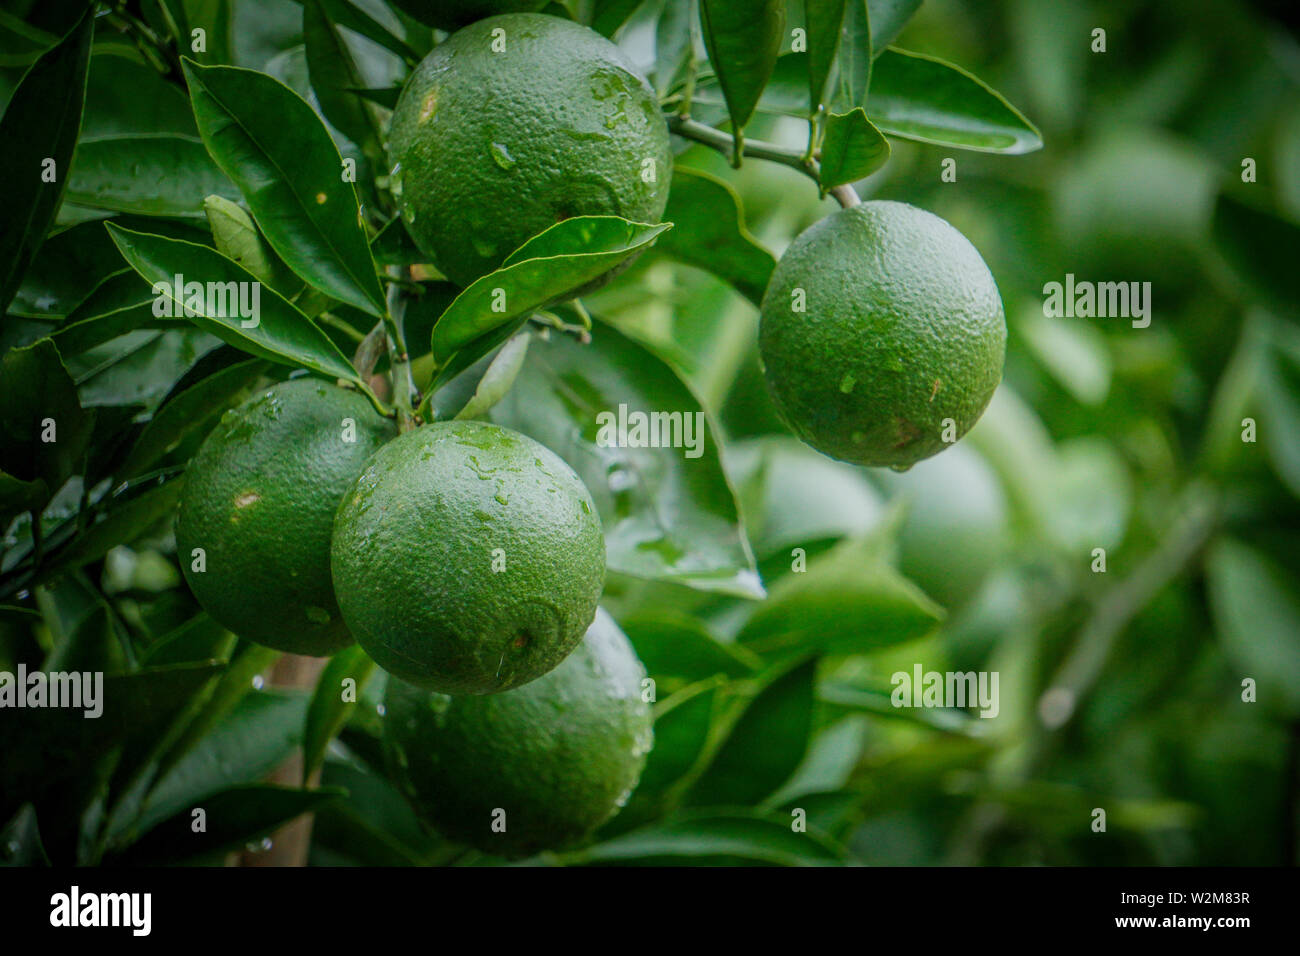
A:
(406, 397)
(846, 196)
(799, 159)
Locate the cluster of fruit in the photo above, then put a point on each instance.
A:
(467, 560)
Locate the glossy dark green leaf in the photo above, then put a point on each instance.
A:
(1256, 607)
(128, 98)
(665, 516)
(888, 17)
(676, 647)
(233, 819)
(710, 233)
(766, 742)
(282, 333)
(120, 525)
(824, 20)
(347, 14)
(194, 410)
(160, 174)
(39, 124)
(1260, 249)
(608, 16)
(277, 151)
(683, 725)
(853, 149)
(334, 74)
(544, 270)
(716, 838)
(849, 600)
(251, 740)
(743, 41)
(329, 711)
(43, 430)
(926, 99)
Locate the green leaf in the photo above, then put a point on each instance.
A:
(824, 20)
(267, 139)
(328, 711)
(497, 379)
(853, 149)
(888, 17)
(711, 839)
(251, 741)
(159, 174)
(194, 410)
(682, 728)
(121, 525)
(675, 646)
(544, 270)
(851, 699)
(282, 333)
(926, 99)
(1279, 402)
(666, 516)
(710, 233)
(674, 45)
(334, 74)
(743, 41)
(849, 600)
(766, 742)
(855, 55)
(349, 15)
(127, 98)
(233, 819)
(1260, 248)
(44, 432)
(1257, 616)
(121, 303)
(236, 237)
(40, 123)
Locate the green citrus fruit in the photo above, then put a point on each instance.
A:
(536, 768)
(882, 335)
(468, 558)
(259, 500)
(451, 14)
(490, 148)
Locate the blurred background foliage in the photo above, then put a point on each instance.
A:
(1119, 690)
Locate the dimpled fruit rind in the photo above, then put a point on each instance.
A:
(259, 500)
(558, 756)
(491, 148)
(468, 558)
(450, 14)
(902, 335)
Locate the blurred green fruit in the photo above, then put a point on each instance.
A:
(259, 500)
(467, 558)
(491, 145)
(882, 335)
(536, 768)
(956, 527)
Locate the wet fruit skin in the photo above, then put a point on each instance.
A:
(491, 148)
(259, 499)
(902, 331)
(559, 755)
(467, 558)
(451, 14)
